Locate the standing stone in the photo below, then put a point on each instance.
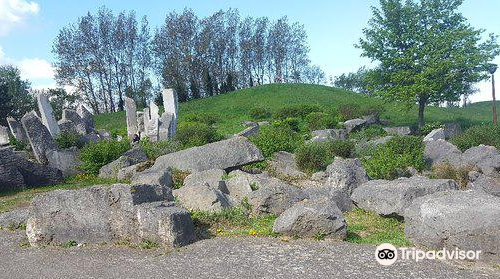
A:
(140, 122)
(153, 129)
(17, 129)
(47, 114)
(86, 117)
(39, 136)
(146, 116)
(73, 116)
(154, 111)
(130, 110)
(164, 128)
(170, 103)
(4, 135)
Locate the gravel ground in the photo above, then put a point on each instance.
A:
(219, 258)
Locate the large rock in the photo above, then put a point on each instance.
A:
(4, 135)
(128, 173)
(354, 125)
(129, 158)
(398, 131)
(481, 182)
(391, 198)
(451, 129)
(213, 177)
(435, 134)
(486, 158)
(160, 178)
(202, 197)
(442, 152)
(39, 137)
(306, 219)
(275, 198)
(467, 220)
(75, 118)
(328, 134)
(65, 160)
(131, 116)
(345, 175)
(86, 117)
(93, 215)
(47, 114)
(17, 130)
(283, 166)
(17, 172)
(327, 195)
(239, 184)
(249, 131)
(14, 219)
(226, 154)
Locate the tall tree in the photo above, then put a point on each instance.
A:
(15, 96)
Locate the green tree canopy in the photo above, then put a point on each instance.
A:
(15, 98)
(427, 51)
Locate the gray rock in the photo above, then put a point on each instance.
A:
(306, 219)
(486, 158)
(131, 171)
(14, 219)
(319, 176)
(226, 154)
(150, 177)
(275, 198)
(131, 116)
(345, 175)
(373, 143)
(283, 166)
(74, 117)
(17, 130)
(329, 195)
(17, 172)
(435, 134)
(442, 152)
(68, 127)
(86, 117)
(391, 198)
(328, 134)
(202, 197)
(166, 224)
(398, 131)
(213, 177)
(103, 134)
(263, 123)
(164, 128)
(481, 182)
(372, 119)
(129, 158)
(171, 106)
(39, 137)
(354, 125)
(4, 135)
(66, 161)
(451, 129)
(239, 184)
(467, 220)
(249, 124)
(250, 131)
(47, 114)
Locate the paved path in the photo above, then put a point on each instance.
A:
(218, 258)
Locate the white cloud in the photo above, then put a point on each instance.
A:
(35, 68)
(14, 12)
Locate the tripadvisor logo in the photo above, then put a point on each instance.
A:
(387, 254)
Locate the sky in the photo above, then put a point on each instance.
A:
(28, 28)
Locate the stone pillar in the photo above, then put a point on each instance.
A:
(47, 114)
(17, 129)
(140, 122)
(171, 103)
(164, 128)
(131, 112)
(153, 130)
(86, 117)
(4, 135)
(154, 111)
(39, 136)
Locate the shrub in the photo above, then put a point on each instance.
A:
(191, 134)
(18, 145)
(292, 123)
(67, 140)
(431, 126)
(370, 110)
(296, 111)
(272, 139)
(339, 148)
(349, 111)
(159, 148)
(258, 113)
(95, 155)
(368, 133)
(202, 117)
(320, 121)
(314, 157)
(476, 135)
(447, 171)
(392, 159)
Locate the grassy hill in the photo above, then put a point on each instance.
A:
(233, 108)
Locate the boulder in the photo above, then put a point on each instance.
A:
(86, 117)
(17, 130)
(328, 134)
(249, 131)
(213, 177)
(398, 131)
(345, 175)
(451, 129)
(202, 197)
(306, 219)
(14, 219)
(40, 139)
(354, 125)
(129, 158)
(151, 177)
(68, 127)
(128, 173)
(391, 198)
(226, 154)
(239, 184)
(74, 117)
(329, 195)
(442, 152)
(372, 119)
(249, 124)
(263, 123)
(4, 135)
(373, 143)
(66, 161)
(320, 176)
(435, 134)
(283, 166)
(481, 182)
(486, 158)
(467, 220)
(91, 215)
(274, 198)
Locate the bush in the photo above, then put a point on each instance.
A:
(18, 145)
(202, 117)
(191, 134)
(272, 139)
(476, 135)
(288, 123)
(370, 110)
(259, 113)
(300, 111)
(349, 111)
(67, 140)
(316, 157)
(431, 126)
(368, 133)
(95, 155)
(392, 159)
(321, 121)
(339, 148)
(159, 148)
(447, 171)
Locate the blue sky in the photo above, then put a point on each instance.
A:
(28, 28)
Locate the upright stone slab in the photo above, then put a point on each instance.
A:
(153, 129)
(140, 122)
(164, 128)
(146, 116)
(47, 114)
(76, 119)
(170, 103)
(4, 135)
(39, 136)
(86, 117)
(131, 112)
(154, 111)
(17, 129)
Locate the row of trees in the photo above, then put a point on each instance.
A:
(107, 57)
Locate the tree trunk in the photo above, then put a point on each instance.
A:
(421, 107)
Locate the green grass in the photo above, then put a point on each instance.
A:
(15, 199)
(234, 108)
(370, 228)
